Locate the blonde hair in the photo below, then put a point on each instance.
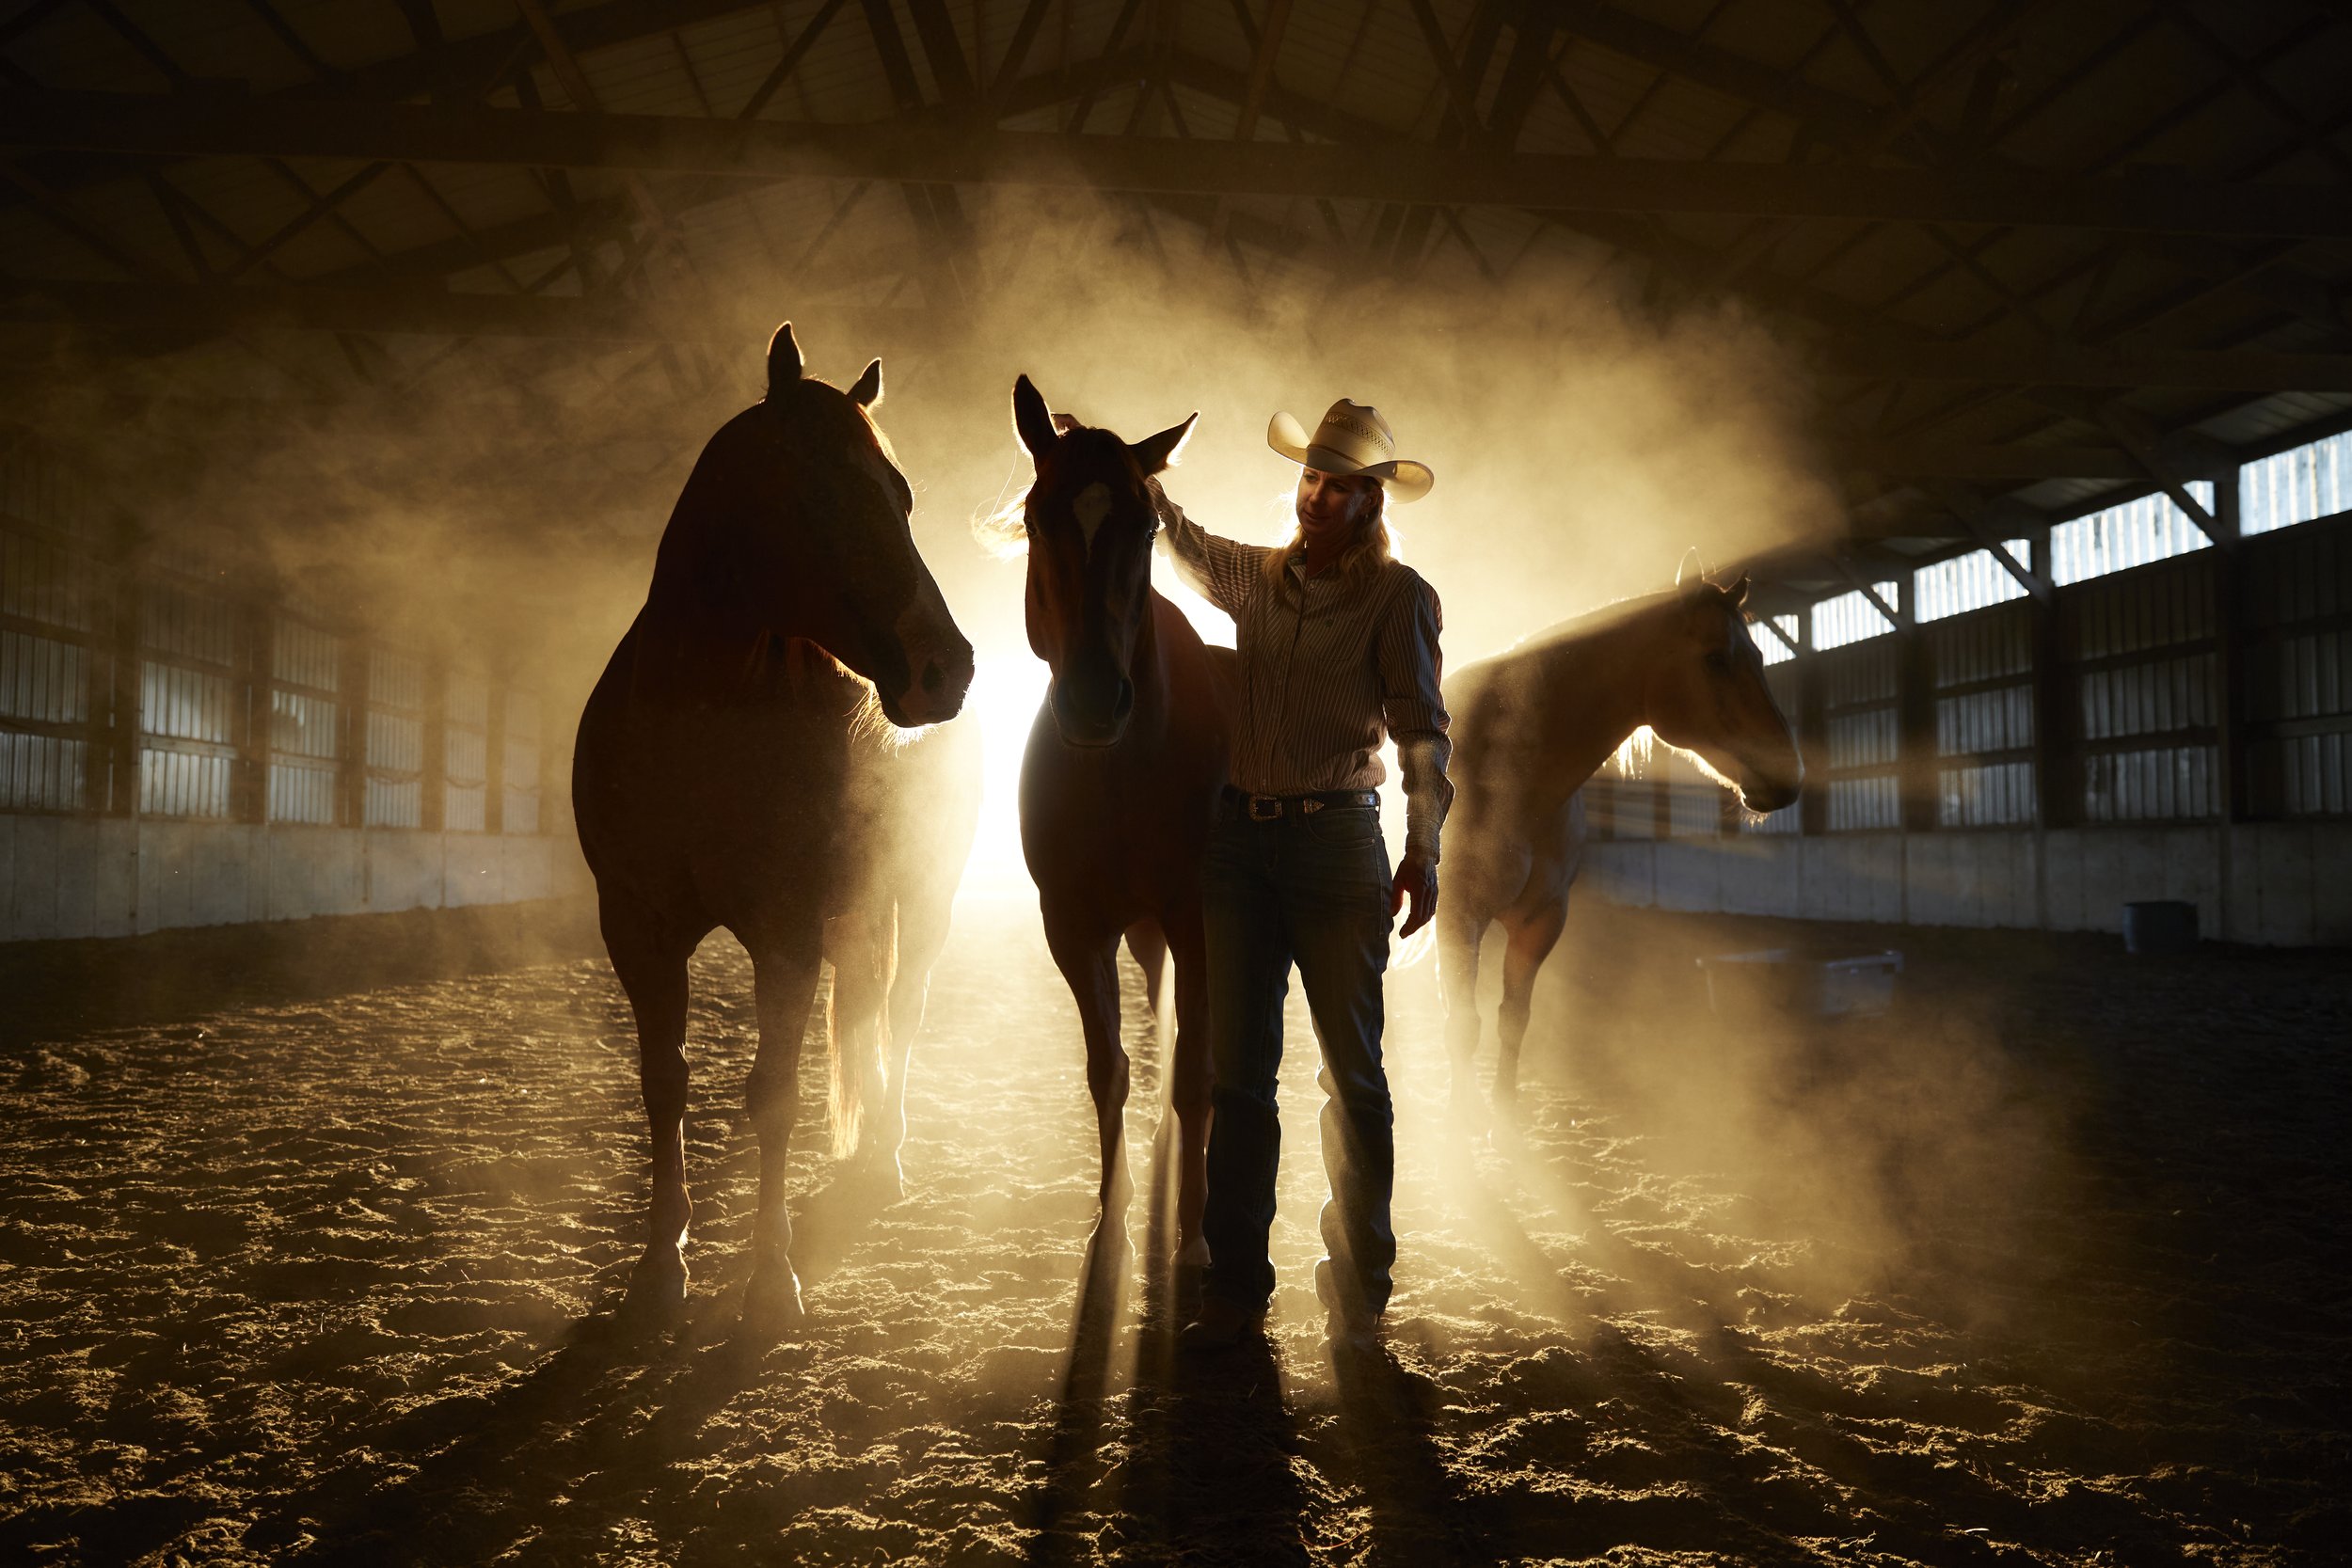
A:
(1365, 555)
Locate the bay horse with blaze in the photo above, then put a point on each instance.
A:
(1120, 776)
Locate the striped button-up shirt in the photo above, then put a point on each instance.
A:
(1326, 668)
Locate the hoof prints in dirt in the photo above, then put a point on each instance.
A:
(341, 1283)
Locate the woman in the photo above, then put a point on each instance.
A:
(1338, 647)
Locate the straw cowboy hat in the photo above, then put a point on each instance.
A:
(1353, 438)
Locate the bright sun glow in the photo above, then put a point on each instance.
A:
(1006, 687)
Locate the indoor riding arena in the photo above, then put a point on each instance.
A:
(627, 930)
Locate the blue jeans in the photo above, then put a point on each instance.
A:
(1314, 890)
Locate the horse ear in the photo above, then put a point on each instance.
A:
(784, 358)
(868, 390)
(1030, 420)
(1737, 593)
(1690, 575)
(1155, 453)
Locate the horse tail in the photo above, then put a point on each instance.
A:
(857, 1022)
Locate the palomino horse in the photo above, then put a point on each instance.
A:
(710, 772)
(1122, 773)
(1530, 727)
(924, 793)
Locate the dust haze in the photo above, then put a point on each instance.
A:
(1736, 1284)
(497, 506)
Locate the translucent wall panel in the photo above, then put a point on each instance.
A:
(304, 656)
(182, 783)
(1967, 582)
(42, 581)
(2314, 481)
(300, 792)
(303, 725)
(395, 679)
(464, 809)
(187, 705)
(43, 679)
(466, 756)
(1773, 649)
(395, 802)
(44, 772)
(194, 626)
(1852, 617)
(2121, 537)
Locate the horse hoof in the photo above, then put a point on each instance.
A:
(771, 1301)
(1109, 1242)
(656, 1287)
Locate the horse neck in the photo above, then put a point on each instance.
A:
(1588, 700)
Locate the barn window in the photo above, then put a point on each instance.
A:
(467, 733)
(2311, 480)
(1852, 617)
(2118, 538)
(520, 772)
(1967, 582)
(394, 793)
(1773, 649)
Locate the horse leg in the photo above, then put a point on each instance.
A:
(1191, 1091)
(650, 962)
(1089, 961)
(858, 947)
(922, 936)
(1530, 943)
(784, 983)
(1147, 943)
(1460, 932)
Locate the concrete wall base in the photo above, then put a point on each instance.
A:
(68, 877)
(2286, 885)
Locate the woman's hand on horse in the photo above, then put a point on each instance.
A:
(1416, 881)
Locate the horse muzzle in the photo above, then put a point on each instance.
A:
(1091, 705)
(1765, 791)
(934, 694)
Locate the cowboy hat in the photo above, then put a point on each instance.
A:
(1353, 438)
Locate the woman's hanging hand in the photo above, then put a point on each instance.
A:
(1417, 883)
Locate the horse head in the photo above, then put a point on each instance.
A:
(1708, 694)
(1090, 524)
(794, 525)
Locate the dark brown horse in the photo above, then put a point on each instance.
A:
(710, 777)
(1530, 727)
(1122, 773)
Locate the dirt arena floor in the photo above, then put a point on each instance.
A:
(314, 1260)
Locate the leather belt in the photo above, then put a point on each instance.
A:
(1273, 808)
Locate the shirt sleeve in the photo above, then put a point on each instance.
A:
(1223, 572)
(1414, 709)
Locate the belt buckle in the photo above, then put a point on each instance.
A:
(1265, 808)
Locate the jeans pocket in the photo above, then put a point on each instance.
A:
(1342, 827)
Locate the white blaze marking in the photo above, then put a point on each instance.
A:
(1092, 505)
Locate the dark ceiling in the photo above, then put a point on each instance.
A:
(2036, 253)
